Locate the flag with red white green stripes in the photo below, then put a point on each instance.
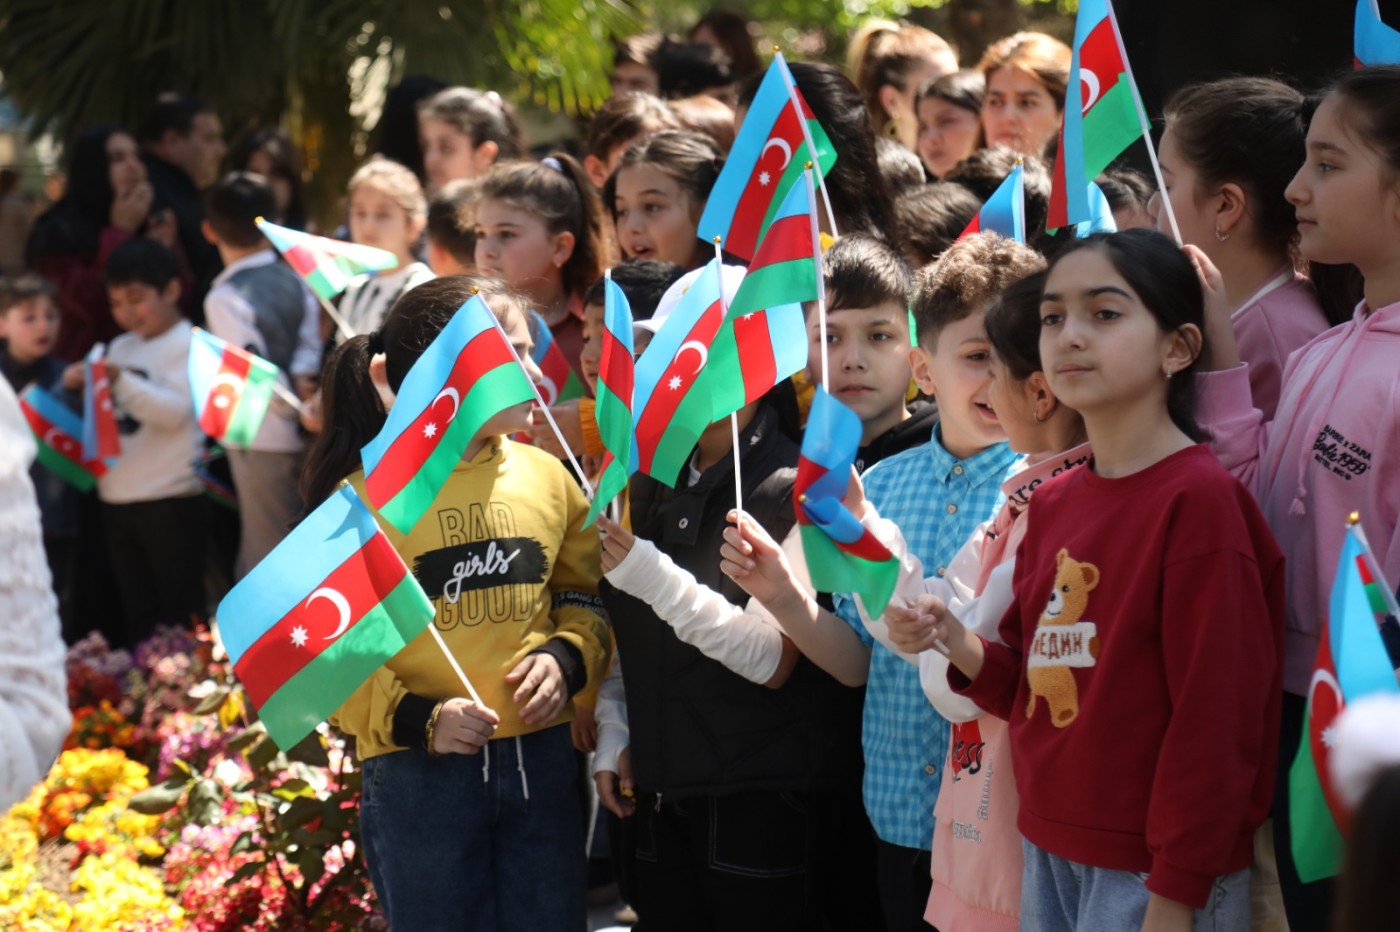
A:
(58, 436)
(232, 388)
(326, 265)
(616, 379)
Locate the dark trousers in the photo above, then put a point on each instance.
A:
(738, 862)
(905, 883)
(157, 554)
(1308, 905)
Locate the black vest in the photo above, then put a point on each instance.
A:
(697, 728)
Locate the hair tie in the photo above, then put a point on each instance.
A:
(376, 343)
(551, 162)
(495, 100)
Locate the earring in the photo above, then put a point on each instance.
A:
(892, 128)
(1221, 236)
(1169, 373)
(1038, 418)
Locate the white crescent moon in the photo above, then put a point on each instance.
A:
(229, 379)
(55, 443)
(341, 605)
(1091, 90)
(699, 348)
(456, 401)
(781, 144)
(548, 390)
(1324, 677)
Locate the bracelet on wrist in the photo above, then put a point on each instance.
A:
(431, 726)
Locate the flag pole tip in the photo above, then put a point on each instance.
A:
(718, 240)
(777, 49)
(808, 166)
(1354, 519)
(802, 498)
(476, 290)
(259, 220)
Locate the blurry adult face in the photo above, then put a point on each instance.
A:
(947, 134)
(1019, 112)
(125, 170)
(630, 76)
(205, 149)
(261, 163)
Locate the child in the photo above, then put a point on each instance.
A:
(259, 304)
(1229, 149)
(481, 803)
(1026, 74)
(1164, 586)
(622, 121)
(950, 120)
(451, 230)
(539, 228)
(929, 220)
(1326, 452)
(387, 209)
(153, 507)
(464, 132)
(657, 196)
(29, 325)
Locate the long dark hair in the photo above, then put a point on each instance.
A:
(74, 224)
(286, 164)
(352, 411)
(1013, 326)
(1165, 282)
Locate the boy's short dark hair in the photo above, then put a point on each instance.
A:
(644, 281)
(234, 204)
(452, 218)
(639, 49)
(23, 288)
(170, 112)
(983, 171)
(900, 167)
(861, 271)
(966, 279)
(928, 219)
(687, 68)
(141, 261)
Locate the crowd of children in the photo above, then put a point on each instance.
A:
(1114, 470)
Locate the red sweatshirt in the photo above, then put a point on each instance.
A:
(1143, 675)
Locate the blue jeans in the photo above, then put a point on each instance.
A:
(1058, 895)
(492, 841)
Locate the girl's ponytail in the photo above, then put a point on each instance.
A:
(352, 414)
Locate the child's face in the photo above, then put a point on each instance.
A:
(515, 246)
(947, 134)
(1015, 409)
(1194, 215)
(1347, 202)
(590, 357)
(956, 373)
(376, 219)
(31, 327)
(1019, 112)
(1101, 347)
(655, 216)
(517, 417)
(448, 153)
(143, 309)
(868, 350)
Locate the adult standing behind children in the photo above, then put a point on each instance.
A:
(258, 303)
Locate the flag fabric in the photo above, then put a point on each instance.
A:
(842, 555)
(100, 438)
(232, 388)
(326, 265)
(561, 382)
(466, 375)
(58, 436)
(325, 609)
(1106, 123)
(1351, 663)
(1100, 215)
(1375, 43)
(613, 411)
(765, 162)
(668, 417)
(1004, 212)
(763, 339)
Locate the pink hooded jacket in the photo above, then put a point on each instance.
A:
(1332, 448)
(1276, 320)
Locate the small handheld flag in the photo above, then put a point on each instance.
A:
(765, 162)
(616, 379)
(842, 555)
(325, 609)
(1100, 215)
(465, 376)
(326, 265)
(100, 438)
(58, 436)
(1375, 43)
(232, 388)
(561, 382)
(1351, 663)
(1005, 211)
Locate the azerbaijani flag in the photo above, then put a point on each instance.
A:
(1100, 215)
(561, 382)
(100, 437)
(1005, 211)
(58, 436)
(326, 265)
(616, 378)
(1351, 663)
(325, 609)
(1096, 133)
(232, 388)
(765, 162)
(668, 418)
(763, 339)
(466, 375)
(842, 555)
(1375, 43)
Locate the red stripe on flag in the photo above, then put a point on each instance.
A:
(64, 444)
(757, 197)
(411, 449)
(757, 364)
(867, 547)
(104, 412)
(1057, 213)
(974, 227)
(666, 397)
(555, 368)
(224, 392)
(1100, 59)
(788, 239)
(618, 369)
(302, 260)
(332, 607)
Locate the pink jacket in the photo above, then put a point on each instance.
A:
(1332, 448)
(1278, 319)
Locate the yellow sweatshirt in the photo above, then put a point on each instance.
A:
(503, 554)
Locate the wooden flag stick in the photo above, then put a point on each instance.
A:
(821, 282)
(456, 667)
(811, 146)
(287, 395)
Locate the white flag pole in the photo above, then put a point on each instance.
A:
(807, 137)
(733, 415)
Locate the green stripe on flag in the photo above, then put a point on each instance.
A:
(614, 420)
(321, 286)
(682, 432)
(61, 466)
(1317, 844)
(610, 484)
(309, 697)
(833, 570)
(252, 406)
(1110, 127)
(789, 282)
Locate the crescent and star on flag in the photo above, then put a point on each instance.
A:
(342, 607)
(430, 429)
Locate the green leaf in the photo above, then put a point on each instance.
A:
(247, 736)
(211, 702)
(204, 805)
(300, 812)
(262, 754)
(294, 789)
(160, 798)
(245, 871)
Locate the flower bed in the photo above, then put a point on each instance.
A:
(169, 809)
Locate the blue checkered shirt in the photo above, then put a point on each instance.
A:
(937, 501)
